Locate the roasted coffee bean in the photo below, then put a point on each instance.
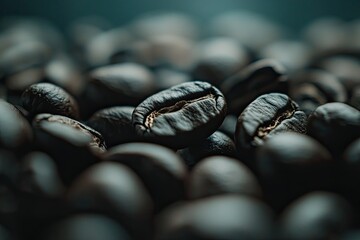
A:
(39, 175)
(48, 98)
(355, 98)
(335, 125)
(180, 116)
(291, 164)
(113, 189)
(218, 59)
(119, 84)
(229, 126)
(352, 152)
(15, 131)
(219, 175)
(73, 145)
(317, 215)
(154, 164)
(216, 144)
(263, 76)
(167, 77)
(115, 125)
(86, 226)
(312, 88)
(221, 217)
(265, 117)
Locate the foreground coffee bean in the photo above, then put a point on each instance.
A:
(335, 125)
(114, 190)
(73, 145)
(86, 226)
(263, 76)
(117, 85)
(181, 115)
(221, 217)
(154, 164)
(219, 175)
(15, 131)
(265, 117)
(291, 164)
(115, 125)
(317, 215)
(48, 98)
(216, 144)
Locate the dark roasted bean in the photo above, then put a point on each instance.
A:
(258, 78)
(180, 116)
(48, 98)
(266, 116)
(229, 126)
(219, 175)
(154, 164)
(216, 144)
(115, 125)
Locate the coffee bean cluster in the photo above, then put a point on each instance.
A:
(164, 130)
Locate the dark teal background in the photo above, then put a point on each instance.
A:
(293, 13)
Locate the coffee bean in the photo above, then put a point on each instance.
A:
(335, 125)
(265, 117)
(180, 116)
(355, 98)
(221, 217)
(317, 215)
(154, 164)
(290, 164)
(115, 125)
(219, 175)
(229, 126)
(114, 190)
(86, 226)
(48, 98)
(246, 85)
(216, 144)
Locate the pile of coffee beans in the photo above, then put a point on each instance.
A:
(163, 129)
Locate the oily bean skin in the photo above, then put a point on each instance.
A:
(290, 164)
(154, 164)
(266, 116)
(115, 125)
(216, 144)
(335, 125)
(48, 98)
(258, 78)
(181, 115)
(317, 215)
(219, 175)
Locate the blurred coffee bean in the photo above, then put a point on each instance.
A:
(220, 217)
(48, 98)
(167, 78)
(73, 145)
(351, 157)
(291, 164)
(265, 117)
(119, 84)
(218, 59)
(294, 55)
(160, 169)
(39, 175)
(355, 98)
(217, 143)
(251, 29)
(261, 77)
(312, 88)
(326, 34)
(15, 131)
(335, 125)
(86, 226)
(219, 175)
(165, 23)
(228, 126)
(99, 49)
(115, 125)
(180, 116)
(113, 189)
(317, 215)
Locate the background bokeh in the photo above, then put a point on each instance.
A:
(291, 13)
